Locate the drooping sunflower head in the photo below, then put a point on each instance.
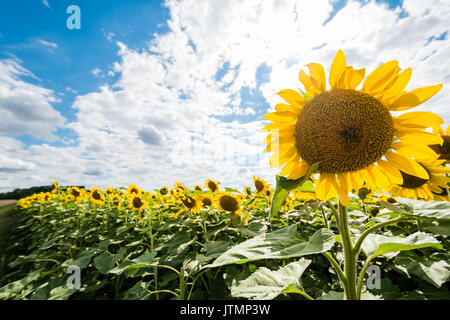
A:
(192, 203)
(133, 189)
(260, 185)
(198, 188)
(54, 185)
(97, 196)
(442, 150)
(228, 202)
(433, 188)
(351, 132)
(212, 185)
(137, 202)
(207, 200)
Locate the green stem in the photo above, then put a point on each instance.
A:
(350, 258)
(336, 266)
(325, 220)
(361, 276)
(182, 284)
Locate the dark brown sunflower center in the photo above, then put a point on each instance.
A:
(163, 191)
(412, 182)
(259, 185)
(444, 192)
(134, 190)
(137, 202)
(189, 202)
(345, 130)
(442, 150)
(229, 203)
(96, 195)
(207, 201)
(212, 186)
(197, 188)
(75, 193)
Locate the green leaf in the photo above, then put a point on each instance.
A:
(138, 291)
(82, 260)
(332, 295)
(142, 261)
(285, 186)
(283, 243)
(376, 244)
(61, 293)
(104, 262)
(17, 286)
(438, 210)
(434, 272)
(265, 284)
(216, 248)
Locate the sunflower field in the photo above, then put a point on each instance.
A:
(360, 210)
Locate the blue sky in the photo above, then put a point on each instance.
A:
(154, 92)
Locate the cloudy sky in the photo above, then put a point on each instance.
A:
(154, 92)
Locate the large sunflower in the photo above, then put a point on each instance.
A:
(350, 132)
(433, 188)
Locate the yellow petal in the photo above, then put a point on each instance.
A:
(305, 80)
(282, 107)
(318, 79)
(379, 76)
(290, 165)
(393, 174)
(355, 78)
(419, 137)
(337, 68)
(414, 98)
(322, 187)
(381, 179)
(292, 97)
(299, 171)
(406, 165)
(342, 189)
(399, 85)
(416, 151)
(419, 119)
(281, 116)
(276, 125)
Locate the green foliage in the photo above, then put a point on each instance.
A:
(123, 255)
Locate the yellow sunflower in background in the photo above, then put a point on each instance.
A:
(116, 200)
(54, 185)
(198, 188)
(164, 190)
(179, 185)
(192, 203)
(350, 132)
(442, 150)
(304, 195)
(248, 192)
(207, 201)
(260, 185)
(137, 203)
(133, 189)
(97, 196)
(225, 201)
(77, 193)
(212, 185)
(433, 188)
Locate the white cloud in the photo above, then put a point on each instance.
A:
(168, 119)
(48, 44)
(45, 2)
(25, 107)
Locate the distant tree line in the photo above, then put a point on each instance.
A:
(22, 193)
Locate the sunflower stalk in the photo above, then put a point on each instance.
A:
(349, 255)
